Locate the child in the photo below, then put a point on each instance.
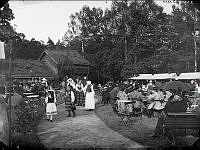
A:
(51, 106)
(69, 101)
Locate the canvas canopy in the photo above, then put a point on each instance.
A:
(143, 77)
(189, 75)
(164, 76)
(155, 76)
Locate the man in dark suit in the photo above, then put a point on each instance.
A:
(176, 103)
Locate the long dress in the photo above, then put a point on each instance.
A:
(80, 95)
(89, 98)
(51, 106)
(69, 101)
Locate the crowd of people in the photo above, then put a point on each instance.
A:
(148, 97)
(151, 98)
(74, 92)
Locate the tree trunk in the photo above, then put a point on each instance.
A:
(135, 59)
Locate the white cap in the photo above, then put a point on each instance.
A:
(43, 79)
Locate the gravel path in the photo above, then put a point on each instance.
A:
(86, 130)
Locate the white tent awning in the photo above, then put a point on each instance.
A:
(143, 77)
(164, 76)
(189, 76)
(155, 76)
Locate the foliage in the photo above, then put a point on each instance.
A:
(135, 37)
(25, 49)
(27, 116)
(6, 30)
(22, 48)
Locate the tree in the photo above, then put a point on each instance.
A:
(145, 24)
(134, 37)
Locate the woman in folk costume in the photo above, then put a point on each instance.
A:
(69, 101)
(89, 98)
(79, 94)
(51, 106)
(71, 82)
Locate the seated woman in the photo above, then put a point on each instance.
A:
(138, 97)
(156, 104)
(176, 103)
(122, 94)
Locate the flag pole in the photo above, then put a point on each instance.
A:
(9, 101)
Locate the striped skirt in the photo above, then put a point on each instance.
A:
(69, 105)
(80, 98)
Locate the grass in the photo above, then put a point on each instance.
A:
(139, 130)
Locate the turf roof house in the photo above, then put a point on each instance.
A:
(25, 70)
(65, 62)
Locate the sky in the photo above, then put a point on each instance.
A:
(43, 19)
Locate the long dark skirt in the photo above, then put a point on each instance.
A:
(69, 105)
(80, 98)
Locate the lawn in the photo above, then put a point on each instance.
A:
(139, 129)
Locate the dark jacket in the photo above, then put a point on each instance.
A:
(176, 106)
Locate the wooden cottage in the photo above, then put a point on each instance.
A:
(25, 70)
(65, 62)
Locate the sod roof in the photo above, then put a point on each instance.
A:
(73, 56)
(25, 68)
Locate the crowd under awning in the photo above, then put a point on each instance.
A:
(163, 76)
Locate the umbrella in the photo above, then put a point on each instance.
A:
(176, 85)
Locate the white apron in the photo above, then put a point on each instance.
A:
(89, 100)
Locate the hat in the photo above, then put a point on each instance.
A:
(43, 79)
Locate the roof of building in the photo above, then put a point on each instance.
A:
(60, 55)
(25, 68)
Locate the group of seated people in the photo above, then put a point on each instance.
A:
(154, 100)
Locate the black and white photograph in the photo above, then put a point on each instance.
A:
(104, 74)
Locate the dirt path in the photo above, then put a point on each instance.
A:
(86, 130)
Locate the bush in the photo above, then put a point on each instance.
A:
(27, 115)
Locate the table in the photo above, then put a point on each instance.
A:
(123, 107)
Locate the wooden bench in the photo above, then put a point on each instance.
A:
(181, 121)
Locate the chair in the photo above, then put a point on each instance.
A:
(137, 108)
(121, 115)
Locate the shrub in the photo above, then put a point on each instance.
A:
(27, 115)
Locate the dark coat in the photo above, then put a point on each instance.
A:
(113, 95)
(176, 106)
